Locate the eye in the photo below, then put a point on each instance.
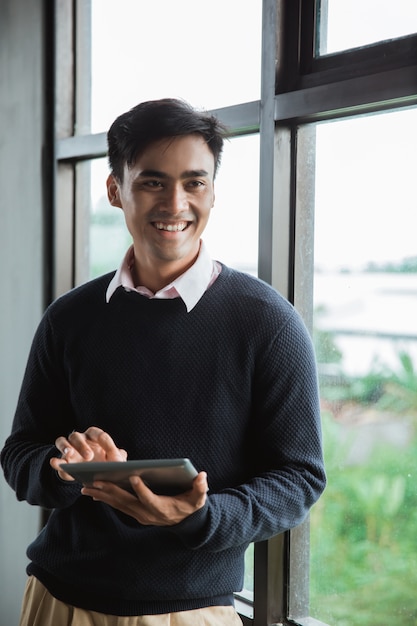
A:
(153, 184)
(195, 184)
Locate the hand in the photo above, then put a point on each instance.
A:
(92, 445)
(145, 506)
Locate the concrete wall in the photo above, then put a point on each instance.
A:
(21, 258)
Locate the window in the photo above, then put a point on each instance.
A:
(321, 112)
(206, 53)
(107, 234)
(345, 24)
(365, 307)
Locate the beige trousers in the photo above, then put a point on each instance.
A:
(40, 608)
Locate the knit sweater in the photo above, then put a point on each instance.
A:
(232, 385)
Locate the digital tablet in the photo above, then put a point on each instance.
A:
(163, 476)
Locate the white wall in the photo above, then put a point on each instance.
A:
(21, 253)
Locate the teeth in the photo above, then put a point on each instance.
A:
(171, 227)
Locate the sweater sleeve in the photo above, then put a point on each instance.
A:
(286, 444)
(43, 413)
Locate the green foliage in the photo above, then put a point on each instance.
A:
(363, 537)
(363, 552)
(405, 266)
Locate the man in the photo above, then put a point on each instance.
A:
(174, 355)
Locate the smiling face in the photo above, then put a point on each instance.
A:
(166, 197)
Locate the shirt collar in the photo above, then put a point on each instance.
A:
(189, 286)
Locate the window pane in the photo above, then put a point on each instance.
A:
(365, 311)
(231, 235)
(208, 53)
(109, 238)
(232, 232)
(345, 24)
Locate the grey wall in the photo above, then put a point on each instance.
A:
(21, 252)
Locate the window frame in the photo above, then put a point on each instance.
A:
(297, 88)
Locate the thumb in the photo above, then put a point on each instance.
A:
(200, 482)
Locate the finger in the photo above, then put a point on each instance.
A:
(105, 441)
(141, 490)
(200, 483)
(105, 486)
(63, 445)
(93, 490)
(79, 442)
(93, 433)
(56, 463)
(110, 448)
(110, 494)
(198, 494)
(96, 493)
(123, 454)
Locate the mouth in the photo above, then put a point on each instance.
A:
(171, 228)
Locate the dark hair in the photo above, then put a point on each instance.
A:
(133, 131)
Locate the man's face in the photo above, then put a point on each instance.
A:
(166, 197)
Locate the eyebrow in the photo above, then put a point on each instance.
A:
(187, 174)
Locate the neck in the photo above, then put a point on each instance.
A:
(156, 278)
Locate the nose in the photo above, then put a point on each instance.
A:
(176, 200)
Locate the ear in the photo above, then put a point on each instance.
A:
(113, 191)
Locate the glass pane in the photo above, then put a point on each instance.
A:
(365, 329)
(208, 53)
(345, 24)
(109, 238)
(232, 232)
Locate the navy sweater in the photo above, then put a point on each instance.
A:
(232, 385)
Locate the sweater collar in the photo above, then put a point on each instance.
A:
(189, 286)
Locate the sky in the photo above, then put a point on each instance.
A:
(353, 23)
(366, 200)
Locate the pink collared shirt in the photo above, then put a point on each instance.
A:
(189, 286)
